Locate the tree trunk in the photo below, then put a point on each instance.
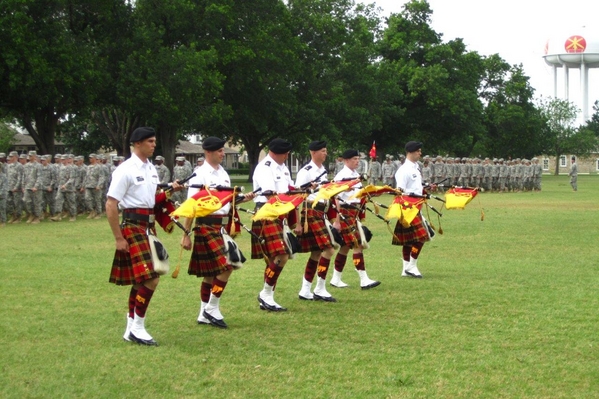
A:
(253, 149)
(167, 137)
(44, 132)
(118, 126)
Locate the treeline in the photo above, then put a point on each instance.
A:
(90, 72)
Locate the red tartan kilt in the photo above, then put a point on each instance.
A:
(209, 256)
(272, 233)
(135, 266)
(410, 235)
(349, 229)
(317, 238)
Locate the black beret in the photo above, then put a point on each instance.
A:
(213, 144)
(142, 133)
(280, 146)
(412, 146)
(317, 145)
(348, 154)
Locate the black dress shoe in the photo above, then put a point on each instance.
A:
(324, 298)
(148, 342)
(413, 275)
(371, 285)
(270, 308)
(214, 321)
(303, 298)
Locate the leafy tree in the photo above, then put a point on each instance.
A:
(48, 61)
(559, 130)
(437, 83)
(7, 135)
(168, 78)
(514, 126)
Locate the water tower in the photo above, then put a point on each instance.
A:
(578, 50)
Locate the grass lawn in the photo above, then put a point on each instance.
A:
(507, 308)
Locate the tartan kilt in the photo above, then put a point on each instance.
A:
(317, 237)
(272, 233)
(135, 266)
(209, 255)
(413, 234)
(349, 228)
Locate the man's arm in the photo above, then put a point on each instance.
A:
(112, 214)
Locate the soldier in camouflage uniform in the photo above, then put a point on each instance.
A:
(339, 165)
(164, 175)
(526, 175)
(478, 173)
(537, 173)
(79, 184)
(47, 185)
(66, 190)
(487, 180)
(3, 188)
(363, 165)
(94, 182)
(495, 175)
(375, 171)
(32, 197)
(179, 173)
(503, 170)
(440, 171)
(14, 204)
(388, 170)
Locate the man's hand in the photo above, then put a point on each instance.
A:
(186, 242)
(122, 244)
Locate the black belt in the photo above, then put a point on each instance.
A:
(348, 206)
(138, 217)
(213, 220)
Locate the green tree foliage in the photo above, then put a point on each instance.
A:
(437, 84)
(7, 135)
(559, 128)
(48, 61)
(514, 126)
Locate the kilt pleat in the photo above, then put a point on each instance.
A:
(209, 255)
(317, 237)
(413, 234)
(349, 228)
(135, 266)
(272, 233)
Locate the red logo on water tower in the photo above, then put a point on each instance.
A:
(575, 44)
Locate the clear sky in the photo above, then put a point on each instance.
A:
(517, 30)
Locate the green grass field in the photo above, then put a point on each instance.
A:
(507, 308)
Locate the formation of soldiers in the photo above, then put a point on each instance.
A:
(36, 187)
(493, 175)
(496, 175)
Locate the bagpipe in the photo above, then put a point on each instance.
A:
(205, 202)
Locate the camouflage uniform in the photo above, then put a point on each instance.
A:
(14, 203)
(32, 178)
(3, 190)
(495, 175)
(375, 172)
(66, 190)
(47, 184)
(94, 182)
(164, 175)
(537, 173)
(388, 173)
(179, 173)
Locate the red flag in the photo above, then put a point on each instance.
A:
(373, 150)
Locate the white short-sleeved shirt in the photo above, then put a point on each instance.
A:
(270, 176)
(344, 174)
(409, 178)
(134, 184)
(210, 177)
(308, 174)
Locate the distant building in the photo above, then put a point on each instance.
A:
(588, 164)
(23, 143)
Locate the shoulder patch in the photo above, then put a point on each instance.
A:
(267, 163)
(308, 167)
